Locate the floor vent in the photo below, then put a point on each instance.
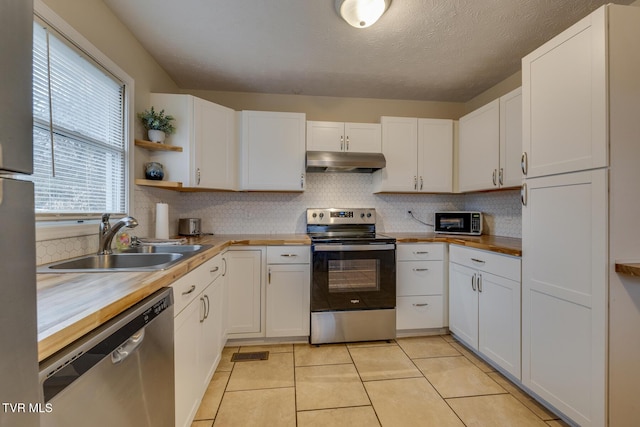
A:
(245, 357)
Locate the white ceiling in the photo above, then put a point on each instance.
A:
(438, 50)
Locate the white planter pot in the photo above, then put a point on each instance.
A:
(156, 135)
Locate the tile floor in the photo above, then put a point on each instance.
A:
(413, 381)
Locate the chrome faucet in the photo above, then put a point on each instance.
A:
(107, 232)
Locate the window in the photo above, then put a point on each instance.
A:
(79, 130)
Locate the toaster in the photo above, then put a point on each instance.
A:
(189, 226)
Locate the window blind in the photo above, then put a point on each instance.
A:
(78, 130)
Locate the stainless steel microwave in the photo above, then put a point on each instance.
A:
(463, 222)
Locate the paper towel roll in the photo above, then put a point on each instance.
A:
(162, 221)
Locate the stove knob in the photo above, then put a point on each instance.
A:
(369, 215)
(314, 215)
(362, 215)
(321, 215)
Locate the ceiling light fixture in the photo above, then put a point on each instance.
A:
(361, 13)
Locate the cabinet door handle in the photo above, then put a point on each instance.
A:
(478, 260)
(523, 194)
(302, 180)
(421, 183)
(341, 143)
(288, 255)
(207, 306)
(198, 176)
(191, 289)
(420, 269)
(473, 282)
(479, 282)
(501, 176)
(269, 276)
(224, 272)
(423, 304)
(347, 143)
(213, 270)
(415, 182)
(495, 171)
(524, 163)
(204, 309)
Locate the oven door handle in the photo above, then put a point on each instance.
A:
(346, 248)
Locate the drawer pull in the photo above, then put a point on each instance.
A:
(478, 260)
(214, 269)
(420, 269)
(191, 289)
(288, 255)
(420, 252)
(423, 304)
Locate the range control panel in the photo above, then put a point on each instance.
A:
(341, 216)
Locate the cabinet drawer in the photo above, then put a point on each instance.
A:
(491, 262)
(288, 254)
(420, 251)
(419, 312)
(189, 286)
(420, 278)
(213, 267)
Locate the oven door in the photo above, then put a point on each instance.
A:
(353, 277)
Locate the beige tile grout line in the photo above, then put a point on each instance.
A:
(499, 373)
(393, 342)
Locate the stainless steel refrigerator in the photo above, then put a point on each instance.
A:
(19, 393)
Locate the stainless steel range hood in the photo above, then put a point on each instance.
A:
(329, 161)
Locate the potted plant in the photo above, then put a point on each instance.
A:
(157, 124)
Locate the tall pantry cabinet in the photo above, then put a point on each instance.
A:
(581, 141)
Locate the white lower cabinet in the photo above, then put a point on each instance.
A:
(288, 291)
(245, 312)
(484, 304)
(197, 335)
(420, 287)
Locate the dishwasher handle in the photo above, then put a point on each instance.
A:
(126, 349)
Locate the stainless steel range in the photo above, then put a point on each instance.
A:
(353, 277)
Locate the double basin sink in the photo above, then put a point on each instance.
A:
(139, 258)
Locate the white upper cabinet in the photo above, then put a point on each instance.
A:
(272, 151)
(419, 156)
(564, 97)
(490, 145)
(400, 147)
(510, 172)
(479, 148)
(435, 155)
(338, 136)
(207, 134)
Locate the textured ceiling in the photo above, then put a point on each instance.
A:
(438, 50)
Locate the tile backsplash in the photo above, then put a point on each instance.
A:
(265, 213)
(255, 212)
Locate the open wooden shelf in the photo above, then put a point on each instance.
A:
(168, 185)
(155, 146)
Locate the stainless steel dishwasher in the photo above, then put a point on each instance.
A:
(121, 374)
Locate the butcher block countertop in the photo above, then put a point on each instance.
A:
(628, 267)
(71, 305)
(503, 245)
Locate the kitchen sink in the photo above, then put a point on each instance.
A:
(170, 249)
(141, 258)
